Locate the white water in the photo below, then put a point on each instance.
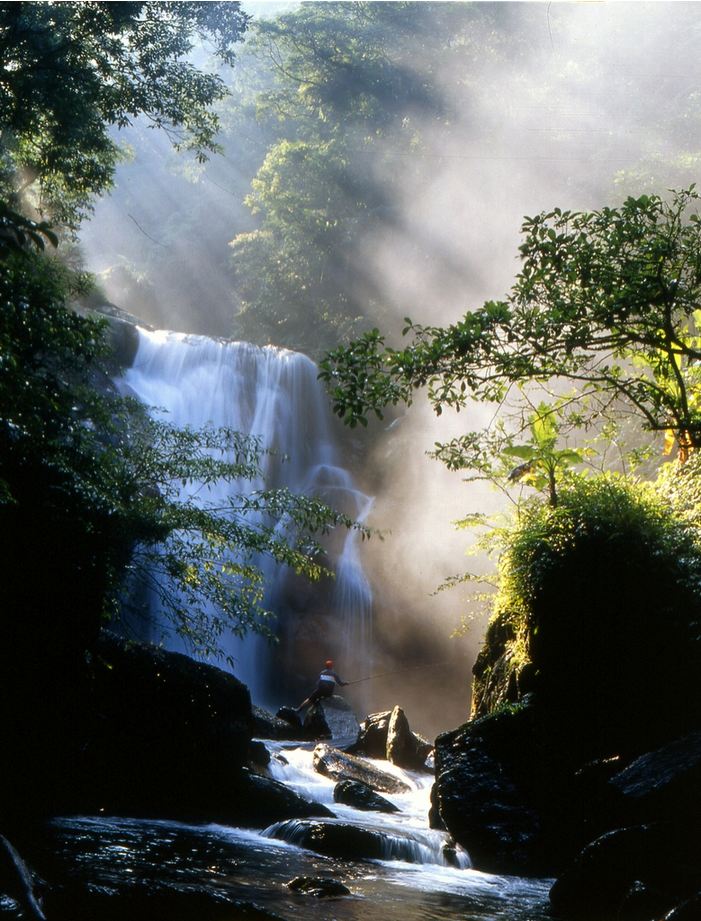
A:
(409, 837)
(274, 394)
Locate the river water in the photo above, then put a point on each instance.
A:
(254, 868)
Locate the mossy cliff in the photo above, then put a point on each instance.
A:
(591, 660)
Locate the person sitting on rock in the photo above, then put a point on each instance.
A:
(328, 679)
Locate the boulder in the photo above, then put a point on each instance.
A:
(142, 901)
(265, 725)
(340, 840)
(315, 725)
(361, 796)
(484, 803)
(347, 842)
(664, 784)
(405, 748)
(372, 737)
(689, 910)
(341, 766)
(659, 860)
(258, 754)
(341, 722)
(258, 801)
(320, 887)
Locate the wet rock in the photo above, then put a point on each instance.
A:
(18, 882)
(289, 715)
(340, 840)
(178, 729)
(434, 816)
(267, 726)
(258, 754)
(664, 784)
(404, 747)
(262, 800)
(342, 766)
(361, 796)
(341, 721)
(320, 887)
(372, 738)
(315, 725)
(660, 859)
(690, 910)
(480, 799)
(347, 842)
(143, 901)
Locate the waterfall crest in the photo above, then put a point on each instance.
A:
(273, 394)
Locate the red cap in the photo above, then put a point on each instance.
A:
(329, 663)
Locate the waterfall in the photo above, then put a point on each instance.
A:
(273, 394)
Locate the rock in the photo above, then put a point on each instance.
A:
(178, 729)
(315, 725)
(289, 715)
(142, 901)
(320, 887)
(18, 882)
(361, 796)
(660, 859)
(345, 841)
(341, 721)
(341, 766)
(258, 754)
(690, 910)
(664, 784)
(372, 738)
(405, 748)
(480, 799)
(259, 801)
(267, 726)
(434, 816)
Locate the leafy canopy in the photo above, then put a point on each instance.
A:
(72, 70)
(607, 300)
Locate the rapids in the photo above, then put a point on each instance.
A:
(413, 883)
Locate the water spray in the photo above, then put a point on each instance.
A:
(397, 671)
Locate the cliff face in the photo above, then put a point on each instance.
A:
(599, 674)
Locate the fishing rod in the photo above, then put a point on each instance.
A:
(398, 670)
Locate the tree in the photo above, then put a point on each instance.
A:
(72, 70)
(607, 300)
(86, 477)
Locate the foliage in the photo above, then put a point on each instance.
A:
(72, 70)
(346, 92)
(88, 475)
(607, 300)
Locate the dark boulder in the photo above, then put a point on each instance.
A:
(289, 715)
(341, 766)
(660, 859)
(341, 721)
(404, 747)
(372, 738)
(164, 736)
(689, 910)
(267, 726)
(315, 726)
(347, 842)
(258, 801)
(258, 755)
(322, 888)
(361, 796)
(142, 901)
(483, 801)
(662, 785)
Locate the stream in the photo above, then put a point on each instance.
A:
(253, 868)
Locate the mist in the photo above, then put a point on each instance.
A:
(574, 105)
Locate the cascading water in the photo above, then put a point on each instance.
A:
(273, 394)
